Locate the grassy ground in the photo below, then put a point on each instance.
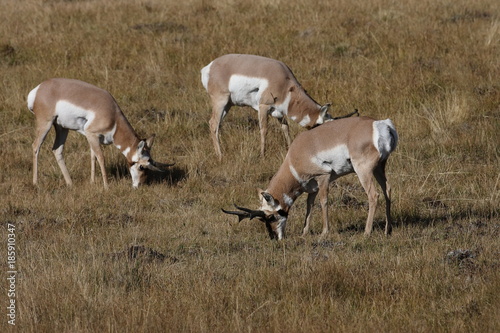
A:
(165, 258)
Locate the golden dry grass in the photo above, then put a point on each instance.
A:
(164, 257)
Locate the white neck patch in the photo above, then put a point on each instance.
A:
(125, 151)
(305, 121)
(282, 109)
(287, 200)
(295, 174)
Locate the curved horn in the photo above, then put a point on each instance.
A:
(252, 213)
(157, 166)
(355, 112)
(151, 167)
(241, 215)
(244, 213)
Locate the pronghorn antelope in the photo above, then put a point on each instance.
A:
(75, 105)
(318, 157)
(266, 85)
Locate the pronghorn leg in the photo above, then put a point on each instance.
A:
(365, 175)
(323, 183)
(310, 202)
(220, 108)
(379, 173)
(58, 148)
(96, 149)
(263, 127)
(42, 129)
(92, 165)
(286, 130)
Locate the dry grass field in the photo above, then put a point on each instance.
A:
(164, 258)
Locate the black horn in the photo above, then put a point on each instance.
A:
(157, 166)
(244, 213)
(355, 112)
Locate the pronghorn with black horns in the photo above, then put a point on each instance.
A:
(318, 157)
(266, 85)
(70, 104)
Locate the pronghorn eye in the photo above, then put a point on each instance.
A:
(141, 168)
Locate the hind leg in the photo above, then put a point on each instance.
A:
(220, 107)
(365, 175)
(379, 174)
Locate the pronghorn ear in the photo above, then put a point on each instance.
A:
(324, 109)
(323, 112)
(140, 146)
(150, 140)
(270, 200)
(259, 192)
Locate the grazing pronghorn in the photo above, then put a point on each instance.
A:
(75, 105)
(266, 85)
(318, 157)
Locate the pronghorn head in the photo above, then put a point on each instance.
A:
(270, 213)
(142, 162)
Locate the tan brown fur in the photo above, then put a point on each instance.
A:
(281, 82)
(323, 154)
(96, 118)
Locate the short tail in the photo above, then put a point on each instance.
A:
(205, 72)
(31, 98)
(385, 137)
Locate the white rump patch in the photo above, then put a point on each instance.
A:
(247, 90)
(31, 97)
(335, 160)
(205, 75)
(385, 137)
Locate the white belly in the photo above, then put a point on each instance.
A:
(335, 160)
(247, 90)
(78, 119)
(73, 117)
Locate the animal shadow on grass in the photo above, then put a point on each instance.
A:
(439, 215)
(171, 176)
